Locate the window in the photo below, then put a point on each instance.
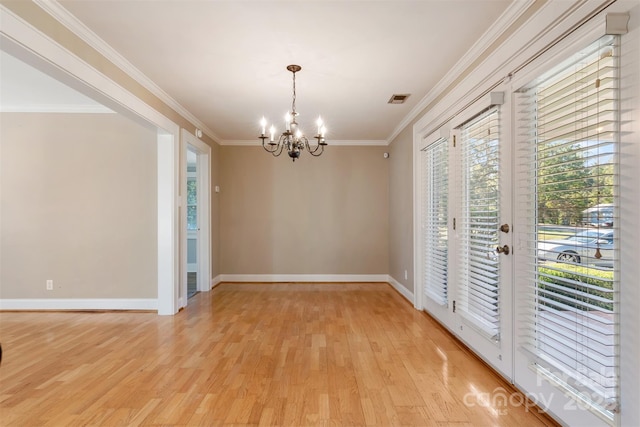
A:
(571, 245)
(435, 171)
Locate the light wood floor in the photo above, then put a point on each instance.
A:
(250, 354)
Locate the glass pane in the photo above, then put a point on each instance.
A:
(192, 218)
(192, 194)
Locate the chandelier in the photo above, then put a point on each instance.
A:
(292, 139)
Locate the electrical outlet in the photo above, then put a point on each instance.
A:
(49, 285)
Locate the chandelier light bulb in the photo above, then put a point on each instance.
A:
(287, 121)
(319, 123)
(323, 131)
(272, 131)
(263, 124)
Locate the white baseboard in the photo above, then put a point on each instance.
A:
(301, 278)
(401, 289)
(215, 281)
(79, 304)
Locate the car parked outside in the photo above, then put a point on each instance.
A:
(581, 248)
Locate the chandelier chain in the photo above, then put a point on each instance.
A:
(293, 103)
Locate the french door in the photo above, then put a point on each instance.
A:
(544, 313)
(465, 234)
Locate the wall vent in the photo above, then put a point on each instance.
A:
(398, 98)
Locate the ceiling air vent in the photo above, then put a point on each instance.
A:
(398, 98)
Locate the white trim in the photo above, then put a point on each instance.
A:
(168, 230)
(79, 304)
(552, 21)
(401, 289)
(508, 18)
(589, 32)
(216, 281)
(350, 142)
(59, 108)
(270, 278)
(25, 36)
(59, 13)
(475, 109)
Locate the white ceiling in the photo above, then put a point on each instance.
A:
(225, 61)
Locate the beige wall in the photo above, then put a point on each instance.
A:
(78, 206)
(325, 215)
(401, 208)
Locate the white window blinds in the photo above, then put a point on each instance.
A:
(435, 169)
(479, 278)
(570, 195)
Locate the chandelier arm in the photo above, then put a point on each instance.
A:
(315, 150)
(280, 147)
(313, 153)
(274, 149)
(304, 143)
(277, 153)
(267, 146)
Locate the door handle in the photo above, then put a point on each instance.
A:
(503, 249)
(504, 228)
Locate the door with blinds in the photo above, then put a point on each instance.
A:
(520, 242)
(465, 209)
(568, 259)
(483, 244)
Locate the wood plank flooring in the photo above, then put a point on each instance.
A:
(250, 355)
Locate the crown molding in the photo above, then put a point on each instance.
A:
(346, 142)
(62, 15)
(508, 18)
(58, 108)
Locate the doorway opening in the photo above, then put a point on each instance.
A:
(195, 217)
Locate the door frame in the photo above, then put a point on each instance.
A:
(203, 176)
(34, 47)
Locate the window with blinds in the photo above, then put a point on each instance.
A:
(435, 170)
(479, 279)
(570, 196)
